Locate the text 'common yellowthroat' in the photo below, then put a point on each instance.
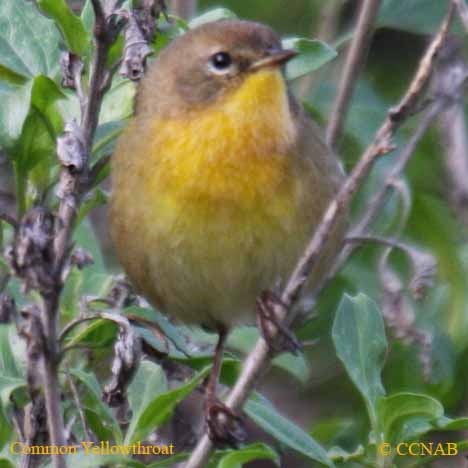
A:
(219, 180)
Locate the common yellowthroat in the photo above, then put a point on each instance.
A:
(219, 180)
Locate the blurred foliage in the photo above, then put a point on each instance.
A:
(360, 386)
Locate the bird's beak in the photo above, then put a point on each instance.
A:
(275, 58)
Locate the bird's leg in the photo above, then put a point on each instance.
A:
(276, 333)
(224, 425)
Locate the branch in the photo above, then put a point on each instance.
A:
(453, 126)
(79, 407)
(353, 64)
(449, 87)
(73, 150)
(375, 205)
(259, 359)
(463, 12)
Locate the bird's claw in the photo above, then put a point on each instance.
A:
(225, 427)
(278, 336)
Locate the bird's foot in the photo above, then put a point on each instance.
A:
(277, 335)
(225, 427)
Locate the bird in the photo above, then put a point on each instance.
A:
(218, 181)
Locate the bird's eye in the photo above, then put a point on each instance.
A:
(220, 62)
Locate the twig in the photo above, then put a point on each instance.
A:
(74, 169)
(452, 70)
(354, 61)
(259, 359)
(89, 121)
(379, 198)
(447, 98)
(463, 12)
(79, 406)
(455, 134)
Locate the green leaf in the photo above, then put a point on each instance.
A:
(441, 239)
(404, 416)
(169, 31)
(212, 15)
(33, 150)
(264, 414)
(4, 463)
(93, 401)
(72, 28)
(10, 382)
(237, 458)
(178, 22)
(313, 54)
(8, 386)
(148, 383)
(417, 16)
(169, 462)
(13, 112)
(106, 135)
(29, 42)
(337, 454)
(97, 279)
(87, 16)
(98, 333)
(8, 367)
(367, 110)
(118, 101)
(6, 431)
(11, 77)
(150, 411)
(71, 294)
(448, 424)
(329, 430)
(360, 342)
(41, 126)
(170, 331)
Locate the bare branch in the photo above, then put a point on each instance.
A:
(73, 150)
(463, 12)
(258, 361)
(453, 69)
(354, 60)
(79, 407)
(391, 179)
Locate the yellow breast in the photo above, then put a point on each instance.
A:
(215, 201)
(235, 150)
